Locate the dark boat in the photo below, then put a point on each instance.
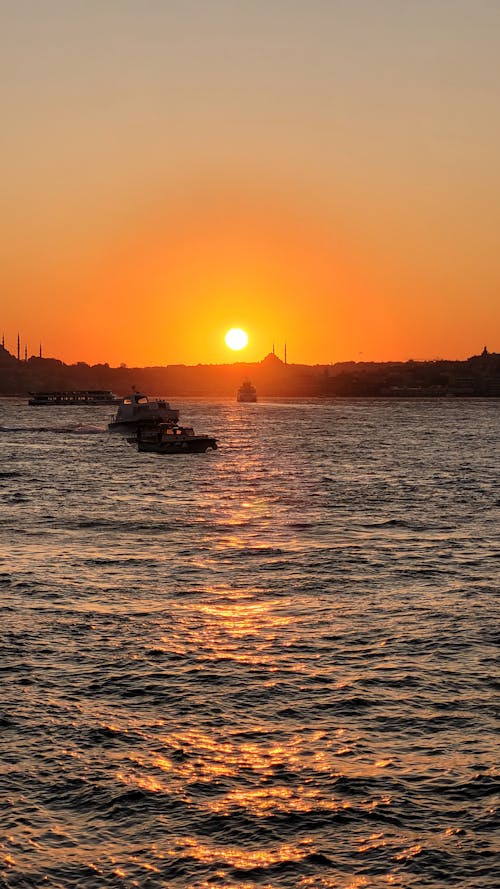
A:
(247, 392)
(168, 439)
(83, 397)
(136, 410)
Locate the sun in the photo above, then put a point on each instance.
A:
(236, 338)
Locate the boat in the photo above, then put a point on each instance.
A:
(166, 438)
(246, 392)
(136, 410)
(84, 397)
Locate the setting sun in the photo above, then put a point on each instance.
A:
(236, 338)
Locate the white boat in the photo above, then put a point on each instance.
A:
(136, 410)
(247, 392)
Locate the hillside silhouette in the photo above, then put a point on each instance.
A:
(476, 376)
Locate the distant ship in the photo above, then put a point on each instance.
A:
(136, 410)
(246, 392)
(84, 397)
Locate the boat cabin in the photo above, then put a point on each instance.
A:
(136, 405)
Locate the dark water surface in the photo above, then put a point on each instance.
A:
(268, 666)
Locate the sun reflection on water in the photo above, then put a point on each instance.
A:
(238, 857)
(239, 625)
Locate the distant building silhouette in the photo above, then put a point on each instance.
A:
(478, 375)
(272, 360)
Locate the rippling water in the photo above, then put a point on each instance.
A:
(269, 666)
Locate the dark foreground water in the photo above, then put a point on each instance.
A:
(268, 666)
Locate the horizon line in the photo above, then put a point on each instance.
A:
(270, 355)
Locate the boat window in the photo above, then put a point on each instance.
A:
(127, 401)
(142, 400)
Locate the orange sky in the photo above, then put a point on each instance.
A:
(321, 174)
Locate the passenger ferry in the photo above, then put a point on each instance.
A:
(247, 392)
(90, 397)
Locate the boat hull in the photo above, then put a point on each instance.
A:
(129, 427)
(195, 445)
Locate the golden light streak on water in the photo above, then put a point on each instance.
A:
(375, 841)
(145, 865)
(261, 801)
(233, 856)
(410, 852)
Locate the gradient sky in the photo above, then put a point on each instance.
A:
(320, 172)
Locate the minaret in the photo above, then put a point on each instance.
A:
(18, 348)
(40, 352)
(285, 353)
(273, 349)
(3, 341)
(25, 353)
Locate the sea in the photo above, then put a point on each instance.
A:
(271, 665)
